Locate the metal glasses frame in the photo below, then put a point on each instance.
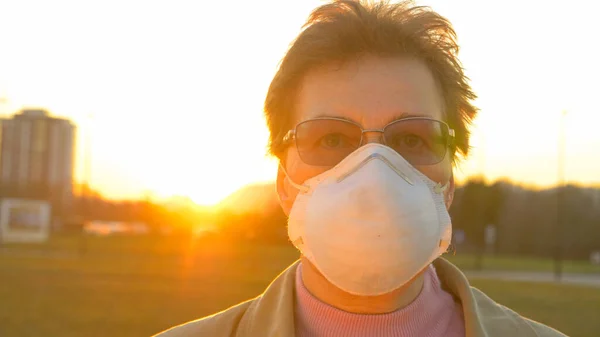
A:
(290, 136)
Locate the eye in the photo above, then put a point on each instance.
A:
(411, 141)
(333, 140)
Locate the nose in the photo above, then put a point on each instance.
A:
(373, 136)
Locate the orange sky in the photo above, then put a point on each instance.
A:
(171, 93)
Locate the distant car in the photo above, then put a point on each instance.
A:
(105, 228)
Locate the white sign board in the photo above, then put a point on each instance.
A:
(595, 258)
(24, 220)
(490, 235)
(459, 236)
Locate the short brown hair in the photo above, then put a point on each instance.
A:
(345, 30)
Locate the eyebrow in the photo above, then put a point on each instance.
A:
(324, 115)
(394, 118)
(405, 115)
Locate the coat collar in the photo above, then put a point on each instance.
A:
(272, 313)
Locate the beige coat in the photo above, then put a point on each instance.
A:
(272, 313)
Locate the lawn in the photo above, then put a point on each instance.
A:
(138, 287)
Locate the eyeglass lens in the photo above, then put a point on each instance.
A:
(325, 142)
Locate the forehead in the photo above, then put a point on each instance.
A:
(371, 91)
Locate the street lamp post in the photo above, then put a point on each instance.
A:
(87, 195)
(560, 199)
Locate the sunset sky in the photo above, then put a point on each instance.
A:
(170, 93)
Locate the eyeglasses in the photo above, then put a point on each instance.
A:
(325, 141)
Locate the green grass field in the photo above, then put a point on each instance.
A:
(139, 287)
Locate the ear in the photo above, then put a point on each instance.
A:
(449, 195)
(283, 190)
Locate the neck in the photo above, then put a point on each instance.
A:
(326, 292)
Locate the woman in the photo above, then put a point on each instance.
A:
(367, 114)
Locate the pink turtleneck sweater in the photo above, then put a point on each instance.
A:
(432, 314)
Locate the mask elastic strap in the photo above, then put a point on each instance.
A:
(301, 188)
(439, 188)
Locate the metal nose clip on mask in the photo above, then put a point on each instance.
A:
(371, 223)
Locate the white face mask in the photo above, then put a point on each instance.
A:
(371, 223)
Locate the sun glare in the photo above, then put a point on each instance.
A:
(177, 106)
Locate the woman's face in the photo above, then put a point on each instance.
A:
(371, 92)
